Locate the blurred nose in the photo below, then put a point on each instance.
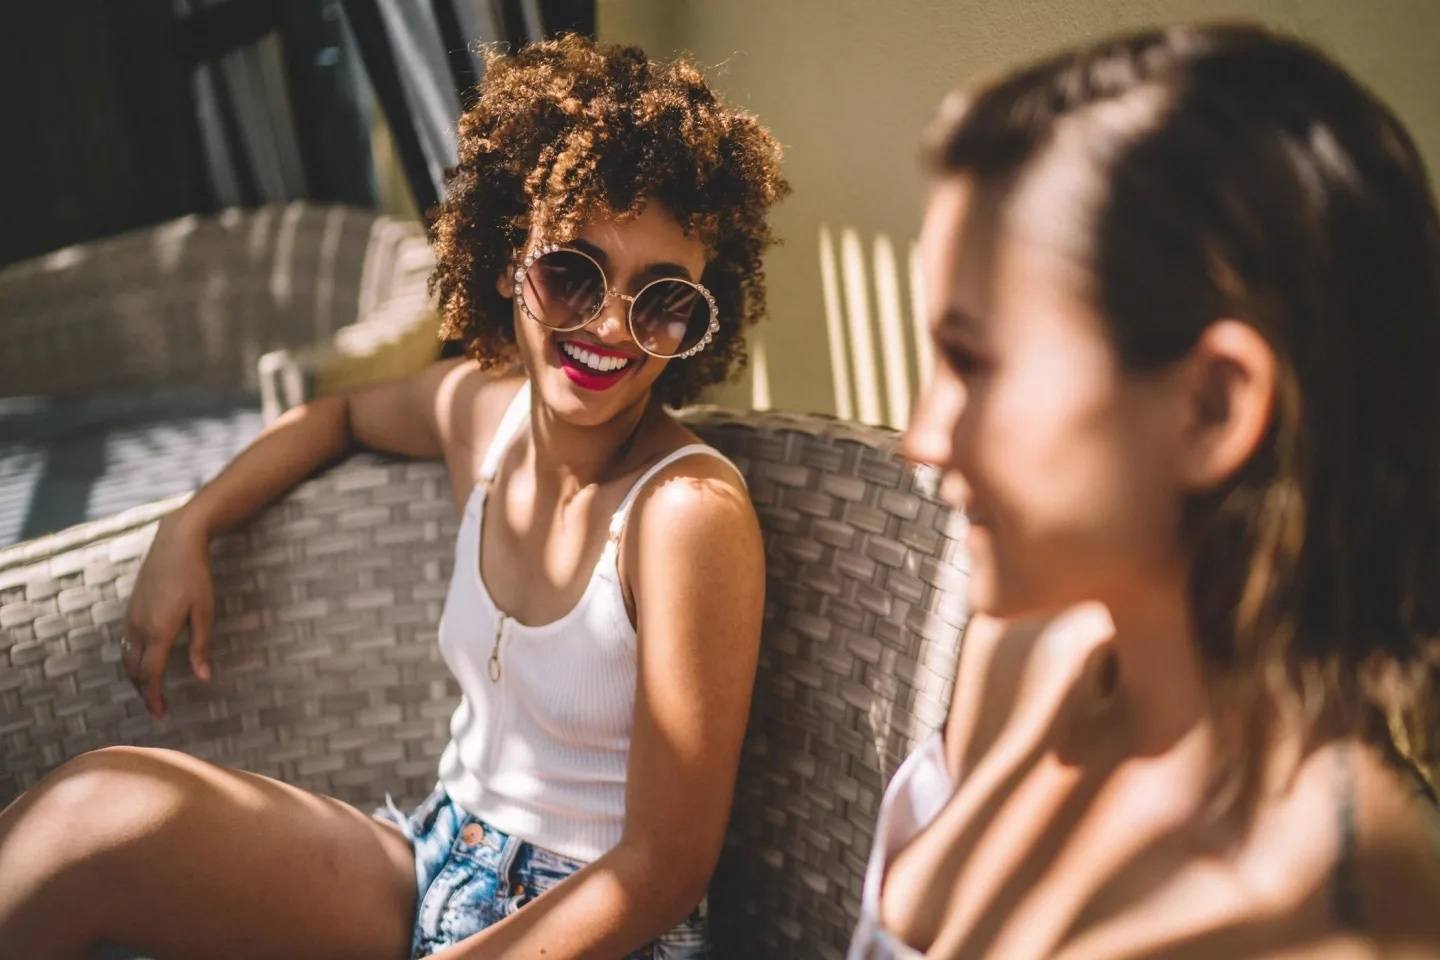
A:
(930, 436)
(933, 436)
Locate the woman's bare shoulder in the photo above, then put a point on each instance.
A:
(1370, 828)
(469, 401)
(692, 519)
(467, 404)
(1397, 851)
(688, 483)
(692, 504)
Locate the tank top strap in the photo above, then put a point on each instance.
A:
(617, 521)
(510, 424)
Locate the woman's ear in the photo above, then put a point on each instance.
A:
(1230, 384)
(505, 281)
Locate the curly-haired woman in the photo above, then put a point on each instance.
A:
(598, 254)
(1186, 298)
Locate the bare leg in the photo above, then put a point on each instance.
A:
(180, 858)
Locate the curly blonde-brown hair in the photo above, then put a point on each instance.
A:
(568, 130)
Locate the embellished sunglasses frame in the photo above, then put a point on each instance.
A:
(712, 328)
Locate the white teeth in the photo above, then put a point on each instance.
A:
(593, 360)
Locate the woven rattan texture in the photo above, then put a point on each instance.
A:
(326, 670)
(864, 605)
(328, 676)
(199, 299)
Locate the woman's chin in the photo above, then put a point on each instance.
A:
(980, 592)
(581, 405)
(990, 594)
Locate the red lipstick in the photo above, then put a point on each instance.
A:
(588, 379)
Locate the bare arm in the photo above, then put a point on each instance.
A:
(694, 547)
(403, 416)
(413, 416)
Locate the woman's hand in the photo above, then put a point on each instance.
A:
(413, 416)
(174, 588)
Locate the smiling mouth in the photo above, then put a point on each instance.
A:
(595, 361)
(593, 367)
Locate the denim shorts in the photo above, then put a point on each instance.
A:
(470, 875)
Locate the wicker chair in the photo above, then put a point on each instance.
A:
(197, 301)
(132, 360)
(328, 676)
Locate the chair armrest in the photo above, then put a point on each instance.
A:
(327, 672)
(196, 300)
(395, 342)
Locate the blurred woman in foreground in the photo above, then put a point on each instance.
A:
(1185, 296)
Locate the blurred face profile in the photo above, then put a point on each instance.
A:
(1059, 457)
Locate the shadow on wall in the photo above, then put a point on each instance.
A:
(879, 351)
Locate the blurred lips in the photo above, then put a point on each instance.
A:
(976, 534)
(978, 523)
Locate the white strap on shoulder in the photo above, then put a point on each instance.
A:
(515, 416)
(617, 522)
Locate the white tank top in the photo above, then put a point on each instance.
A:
(541, 739)
(913, 798)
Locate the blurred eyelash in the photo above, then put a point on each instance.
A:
(961, 359)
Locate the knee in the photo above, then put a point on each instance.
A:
(102, 798)
(62, 840)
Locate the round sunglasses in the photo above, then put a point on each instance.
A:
(564, 289)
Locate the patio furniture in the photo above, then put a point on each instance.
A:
(327, 673)
(128, 369)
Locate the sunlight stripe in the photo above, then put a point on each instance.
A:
(835, 327)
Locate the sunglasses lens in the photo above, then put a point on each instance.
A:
(564, 289)
(669, 317)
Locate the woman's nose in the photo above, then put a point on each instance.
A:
(610, 323)
(930, 436)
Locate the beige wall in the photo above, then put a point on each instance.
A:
(848, 85)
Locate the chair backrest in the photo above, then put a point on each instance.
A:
(865, 600)
(198, 300)
(327, 673)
